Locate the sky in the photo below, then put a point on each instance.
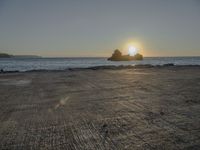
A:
(94, 28)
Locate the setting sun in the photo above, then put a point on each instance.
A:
(132, 50)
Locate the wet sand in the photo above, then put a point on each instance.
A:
(141, 108)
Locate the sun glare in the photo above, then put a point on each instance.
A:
(132, 50)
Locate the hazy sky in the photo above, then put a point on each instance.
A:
(97, 27)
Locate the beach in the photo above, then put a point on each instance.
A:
(101, 108)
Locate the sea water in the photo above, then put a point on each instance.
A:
(26, 64)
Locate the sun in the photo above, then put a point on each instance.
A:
(132, 50)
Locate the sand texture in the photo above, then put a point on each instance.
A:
(145, 108)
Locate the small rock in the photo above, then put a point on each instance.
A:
(162, 113)
(168, 65)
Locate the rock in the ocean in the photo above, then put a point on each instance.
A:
(117, 56)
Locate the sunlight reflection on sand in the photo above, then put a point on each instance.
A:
(61, 102)
(15, 82)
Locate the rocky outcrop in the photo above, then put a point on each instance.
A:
(117, 56)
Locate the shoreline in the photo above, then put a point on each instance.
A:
(111, 67)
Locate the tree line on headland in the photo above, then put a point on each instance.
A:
(116, 56)
(5, 55)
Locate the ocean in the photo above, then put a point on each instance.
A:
(27, 64)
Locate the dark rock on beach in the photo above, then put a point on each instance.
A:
(168, 65)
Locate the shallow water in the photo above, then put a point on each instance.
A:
(25, 64)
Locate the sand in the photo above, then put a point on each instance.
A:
(141, 108)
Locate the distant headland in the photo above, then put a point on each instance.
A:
(5, 55)
(117, 56)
